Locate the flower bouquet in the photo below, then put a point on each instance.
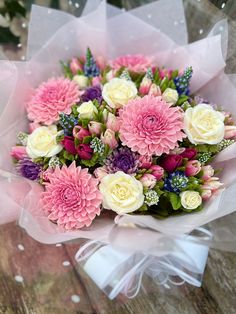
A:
(110, 145)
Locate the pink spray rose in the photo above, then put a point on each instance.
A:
(171, 162)
(212, 184)
(75, 65)
(69, 145)
(148, 180)
(206, 194)
(165, 73)
(230, 131)
(85, 151)
(189, 153)
(154, 90)
(134, 63)
(96, 80)
(145, 86)
(193, 167)
(33, 126)
(157, 172)
(18, 152)
(100, 172)
(208, 172)
(112, 122)
(101, 62)
(109, 138)
(95, 127)
(145, 161)
(80, 133)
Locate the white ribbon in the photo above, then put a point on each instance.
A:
(120, 271)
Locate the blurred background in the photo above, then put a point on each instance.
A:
(14, 18)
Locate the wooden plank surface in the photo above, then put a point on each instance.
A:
(48, 286)
(44, 279)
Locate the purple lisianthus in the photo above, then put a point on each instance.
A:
(122, 159)
(28, 169)
(92, 93)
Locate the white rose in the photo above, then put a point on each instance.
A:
(42, 142)
(190, 199)
(81, 80)
(121, 193)
(87, 110)
(204, 125)
(170, 95)
(118, 92)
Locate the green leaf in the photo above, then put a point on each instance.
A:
(75, 111)
(156, 76)
(92, 162)
(174, 74)
(171, 84)
(84, 122)
(175, 201)
(164, 84)
(181, 100)
(143, 208)
(87, 139)
(68, 156)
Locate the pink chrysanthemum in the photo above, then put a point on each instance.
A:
(150, 126)
(71, 198)
(51, 98)
(135, 63)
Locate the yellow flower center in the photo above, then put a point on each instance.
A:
(121, 192)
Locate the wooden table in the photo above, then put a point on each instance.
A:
(44, 279)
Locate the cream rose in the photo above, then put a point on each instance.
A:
(204, 125)
(118, 92)
(121, 193)
(170, 95)
(42, 142)
(190, 199)
(87, 110)
(81, 80)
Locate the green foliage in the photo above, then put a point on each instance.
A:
(84, 122)
(68, 156)
(87, 139)
(66, 70)
(182, 99)
(92, 162)
(175, 200)
(143, 208)
(174, 74)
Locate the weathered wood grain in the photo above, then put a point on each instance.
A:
(48, 285)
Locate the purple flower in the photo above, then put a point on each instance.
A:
(29, 169)
(92, 93)
(122, 159)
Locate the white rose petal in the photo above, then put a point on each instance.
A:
(87, 110)
(190, 199)
(204, 125)
(118, 92)
(170, 95)
(121, 193)
(81, 80)
(42, 142)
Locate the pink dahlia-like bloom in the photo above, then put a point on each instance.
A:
(135, 63)
(71, 197)
(52, 98)
(150, 126)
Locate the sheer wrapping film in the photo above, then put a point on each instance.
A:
(112, 32)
